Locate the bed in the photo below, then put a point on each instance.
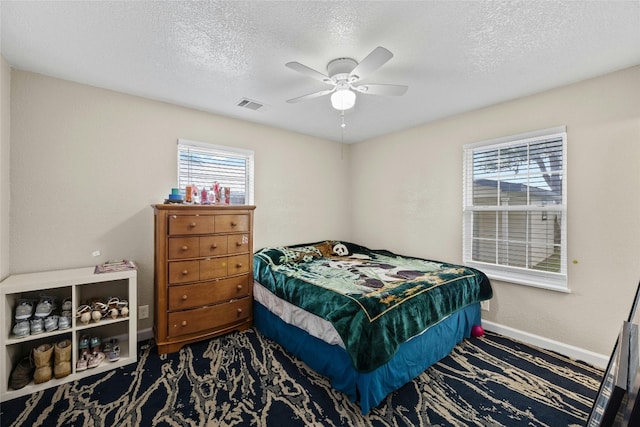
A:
(368, 320)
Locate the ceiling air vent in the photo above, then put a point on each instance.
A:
(251, 105)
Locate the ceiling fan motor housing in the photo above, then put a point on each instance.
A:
(339, 69)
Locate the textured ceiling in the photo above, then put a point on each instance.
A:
(455, 56)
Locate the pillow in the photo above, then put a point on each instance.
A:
(289, 255)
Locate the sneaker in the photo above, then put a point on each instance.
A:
(24, 310)
(46, 306)
(95, 359)
(64, 321)
(37, 326)
(66, 304)
(83, 359)
(112, 350)
(21, 329)
(22, 373)
(51, 323)
(94, 344)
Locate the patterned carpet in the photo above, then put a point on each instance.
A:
(242, 379)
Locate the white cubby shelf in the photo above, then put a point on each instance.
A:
(81, 285)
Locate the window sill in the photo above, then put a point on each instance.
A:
(541, 280)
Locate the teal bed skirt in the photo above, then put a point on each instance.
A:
(370, 388)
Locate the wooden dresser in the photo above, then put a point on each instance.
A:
(203, 272)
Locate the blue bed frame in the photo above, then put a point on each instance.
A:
(370, 388)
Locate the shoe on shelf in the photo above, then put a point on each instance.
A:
(24, 309)
(112, 350)
(42, 359)
(123, 306)
(46, 306)
(64, 321)
(95, 359)
(83, 359)
(84, 313)
(66, 304)
(22, 373)
(95, 344)
(37, 326)
(21, 329)
(51, 323)
(84, 342)
(62, 359)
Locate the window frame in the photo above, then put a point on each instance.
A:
(221, 150)
(557, 281)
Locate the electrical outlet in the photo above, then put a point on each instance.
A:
(143, 312)
(484, 305)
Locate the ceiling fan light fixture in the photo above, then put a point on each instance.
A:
(343, 99)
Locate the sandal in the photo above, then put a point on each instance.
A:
(112, 307)
(99, 311)
(123, 306)
(84, 313)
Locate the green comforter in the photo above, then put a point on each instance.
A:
(375, 299)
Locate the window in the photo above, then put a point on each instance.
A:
(202, 164)
(515, 210)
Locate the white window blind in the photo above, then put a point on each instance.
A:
(514, 208)
(202, 164)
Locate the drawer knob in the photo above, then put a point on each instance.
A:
(238, 244)
(184, 297)
(214, 246)
(239, 287)
(239, 310)
(184, 248)
(192, 225)
(238, 265)
(184, 323)
(185, 272)
(233, 223)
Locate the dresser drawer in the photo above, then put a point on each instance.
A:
(191, 224)
(206, 318)
(184, 271)
(213, 245)
(227, 223)
(207, 293)
(213, 268)
(238, 264)
(237, 243)
(184, 247)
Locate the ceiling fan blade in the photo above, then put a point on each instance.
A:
(310, 96)
(378, 57)
(380, 89)
(310, 72)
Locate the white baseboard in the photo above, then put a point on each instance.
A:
(145, 334)
(590, 357)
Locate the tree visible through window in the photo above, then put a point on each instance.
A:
(515, 208)
(201, 165)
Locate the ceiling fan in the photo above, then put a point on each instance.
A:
(344, 74)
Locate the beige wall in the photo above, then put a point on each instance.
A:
(407, 196)
(5, 118)
(87, 163)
